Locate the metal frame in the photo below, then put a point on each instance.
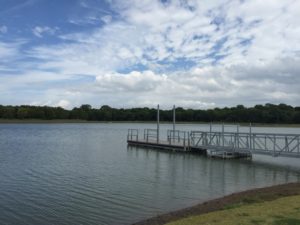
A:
(260, 143)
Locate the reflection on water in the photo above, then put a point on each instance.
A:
(86, 174)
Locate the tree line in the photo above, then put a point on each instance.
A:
(268, 113)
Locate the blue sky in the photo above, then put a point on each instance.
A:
(198, 54)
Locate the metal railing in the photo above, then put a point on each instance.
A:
(133, 134)
(260, 143)
(150, 135)
(179, 137)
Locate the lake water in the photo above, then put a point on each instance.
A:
(86, 174)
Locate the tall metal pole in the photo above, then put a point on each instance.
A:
(238, 135)
(222, 134)
(250, 132)
(157, 124)
(210, 130)
(174, 121)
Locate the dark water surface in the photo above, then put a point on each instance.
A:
(85, 174)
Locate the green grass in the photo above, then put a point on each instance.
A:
(254, 211)
(248, 200)
(287, 221)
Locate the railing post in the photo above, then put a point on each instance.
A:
(147, 135)
(250, 135)
(223, 134)
(189, 144)
(266, 142)
(274, 146)
(184, 140)
(237, 136)
(210, 130)
(174, 121)
(248, 146)
(192, 138)
(298, 143)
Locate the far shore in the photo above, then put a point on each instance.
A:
(234, 200)
(58, 121)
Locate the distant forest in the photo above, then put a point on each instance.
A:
(268, 113)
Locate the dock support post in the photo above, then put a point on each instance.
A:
(157, 138)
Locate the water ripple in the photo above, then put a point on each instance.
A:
(84, 174)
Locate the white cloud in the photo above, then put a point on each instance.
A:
(64, 104)
(152, 32)
(220, 53)
(3, 29)
(60, 103)
(106, 19)
(9, 52)
(132, 82)
(203, 87)
(40, 31)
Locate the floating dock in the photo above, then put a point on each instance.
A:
(227, 145)
(217, 144)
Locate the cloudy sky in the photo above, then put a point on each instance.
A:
(192, 53)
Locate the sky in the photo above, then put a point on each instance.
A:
(139, 53)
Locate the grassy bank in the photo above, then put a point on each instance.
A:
(282, 211)
(233, 208)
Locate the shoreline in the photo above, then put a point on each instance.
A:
(71, 121)
(245, 197)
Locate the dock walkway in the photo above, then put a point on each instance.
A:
(219, 144)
